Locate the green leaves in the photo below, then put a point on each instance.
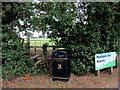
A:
(93, 33)
(15, 56)
(85, 29)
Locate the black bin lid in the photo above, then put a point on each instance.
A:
(63, 50)
(60, 52)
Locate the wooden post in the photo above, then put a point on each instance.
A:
(22, 41)
(111, 70)
(35, 51)
(28, 41)
(53, 47)
(117, 60)
(98, 73)
(45, 56)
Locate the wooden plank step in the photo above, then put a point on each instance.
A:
(31, 58)
(39, 61)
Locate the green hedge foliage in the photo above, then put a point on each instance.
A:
(98, 32)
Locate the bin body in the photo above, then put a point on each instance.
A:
(60, 65)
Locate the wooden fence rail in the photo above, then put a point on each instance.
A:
(35, 57)
(39, 42)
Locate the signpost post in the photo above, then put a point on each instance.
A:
(105, 60)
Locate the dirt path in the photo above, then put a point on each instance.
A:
(105, 80)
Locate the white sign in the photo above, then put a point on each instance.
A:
(105, 60)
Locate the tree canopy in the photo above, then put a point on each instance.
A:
(84, 28)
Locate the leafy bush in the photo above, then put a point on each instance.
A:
(15, 54)
(96, 30)
(41, 69)
(15, 60)
(15, 57)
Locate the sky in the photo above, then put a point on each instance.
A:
(35, 34)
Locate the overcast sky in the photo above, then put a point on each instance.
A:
(35, 34)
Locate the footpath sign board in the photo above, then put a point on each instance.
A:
(105, 60)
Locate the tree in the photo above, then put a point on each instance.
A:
(85, 29)
(15, 54)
